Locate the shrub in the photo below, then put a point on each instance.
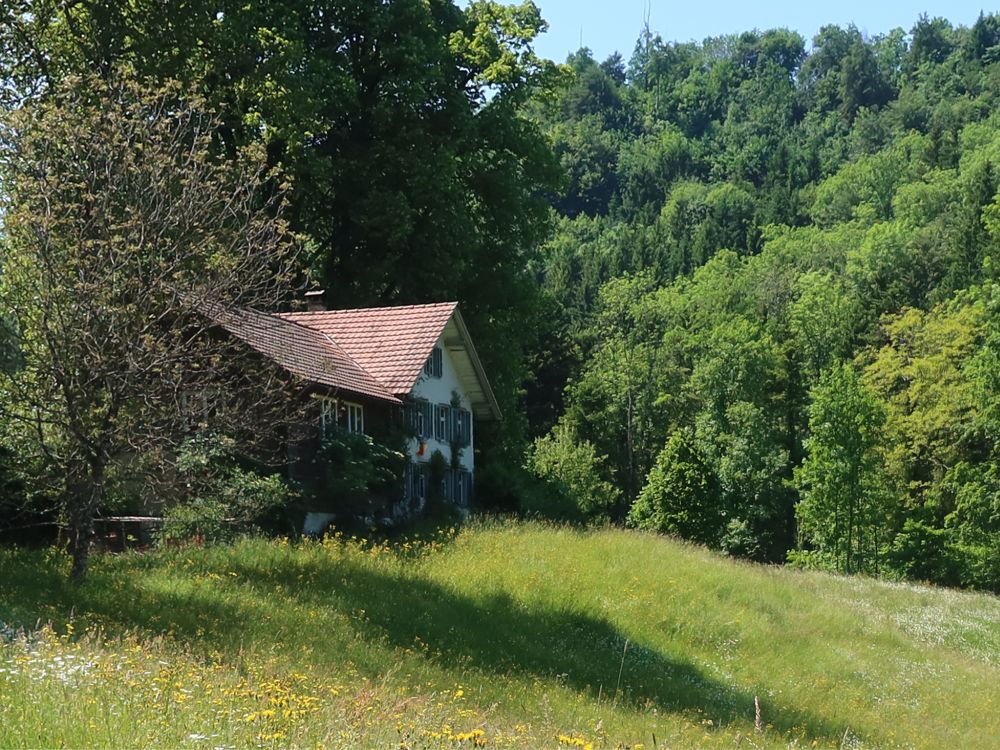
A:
(681, 495)
(356, 474)
(922, 552)
(572, 469)
(199, 520)
(222, 498)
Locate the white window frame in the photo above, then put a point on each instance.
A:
(329, 416)
(461, 421)
(355, 418)
(418, 417)
(442, 426)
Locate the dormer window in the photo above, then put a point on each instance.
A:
(434, 364)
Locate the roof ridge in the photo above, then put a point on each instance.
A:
(302, 313)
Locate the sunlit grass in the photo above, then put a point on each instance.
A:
(506, 634)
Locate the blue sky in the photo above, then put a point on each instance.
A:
(609, 25)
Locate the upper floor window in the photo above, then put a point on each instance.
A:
(354, 418)
(343, 414)
(420, 418)
(327, 416)
(442, 430)
(434, 364)
(461, 430)
(452, 424)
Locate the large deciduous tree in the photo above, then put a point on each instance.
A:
(118, 227)
(416, 176)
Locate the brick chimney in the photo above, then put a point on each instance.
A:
(314, 301)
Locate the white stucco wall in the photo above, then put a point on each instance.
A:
(439, 391)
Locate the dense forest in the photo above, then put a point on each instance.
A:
(741, 291)
(773, 297)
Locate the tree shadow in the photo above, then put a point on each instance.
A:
(497, 634)
(493, 633)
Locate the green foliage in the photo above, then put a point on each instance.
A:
(682, 244)
(221, 498)
(357, 474)
(401, 127)
(921, 551)
(200, 521)
(573, 472)
(437, 466)
(822, 322)
(770, 216)
(681, 495)
(109, 316)
(845, 490)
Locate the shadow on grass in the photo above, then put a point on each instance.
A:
(492, 633)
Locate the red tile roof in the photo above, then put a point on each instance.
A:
(303, 351)
(377, 352)
(390, 343)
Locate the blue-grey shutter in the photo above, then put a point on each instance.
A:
(467, 429)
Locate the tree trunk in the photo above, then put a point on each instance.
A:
(84, 502)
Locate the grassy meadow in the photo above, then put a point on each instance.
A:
(497, 635)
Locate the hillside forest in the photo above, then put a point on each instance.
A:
(743, 291)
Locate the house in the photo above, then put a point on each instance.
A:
(368, 369)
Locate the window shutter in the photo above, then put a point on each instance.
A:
(413, 417)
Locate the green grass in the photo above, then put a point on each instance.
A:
(536, 636)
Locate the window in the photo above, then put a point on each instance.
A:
(442, 428)
(463, 487)
(327, 416)
(420, 418)
(200, 407)
(435, 363)
(458, 487)
(461, 426)
(416, 481)
(344, 414)
(355, 418)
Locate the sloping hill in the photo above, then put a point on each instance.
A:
(516, 635)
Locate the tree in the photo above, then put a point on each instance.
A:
(681, 495)
(618, 398)
(415, 173)
(119, 226)
(573, 471)
(932, 42)
(843, 482)
(822, 322)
